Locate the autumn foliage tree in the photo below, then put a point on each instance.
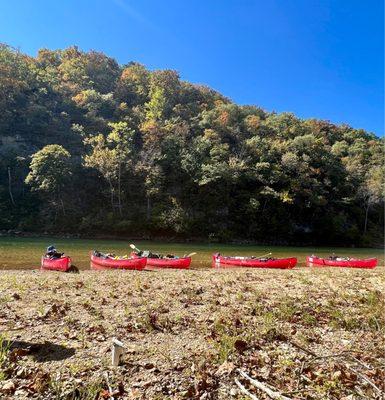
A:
(122, 149)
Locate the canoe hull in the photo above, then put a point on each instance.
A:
(172, 263)
(98, 263)
(178, 263)
(279, 263)
(62, 264)
(368, 263)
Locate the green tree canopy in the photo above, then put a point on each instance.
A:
(152, 154)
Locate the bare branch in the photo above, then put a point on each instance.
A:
(245, 391)
(272, 394)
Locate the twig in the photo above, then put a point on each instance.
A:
(244, 390)
(300, 373)
(318, 357)
(360, 393)
(366, 379)
(272, 394)
(361, 363)
(336, 355)
(304, 349)
(305, 378)
(111, 397)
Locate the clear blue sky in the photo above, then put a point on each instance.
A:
(322, 59)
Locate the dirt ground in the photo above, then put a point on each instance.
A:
(303, 334)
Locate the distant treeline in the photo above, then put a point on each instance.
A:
(88, 145)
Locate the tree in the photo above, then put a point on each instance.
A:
(50, 172)
(111, 156)
(133, 85)
(155, 108)
(372, 190)
(175, 156)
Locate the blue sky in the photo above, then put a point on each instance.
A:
(322, 59)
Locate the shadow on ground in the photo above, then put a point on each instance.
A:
(41, 352)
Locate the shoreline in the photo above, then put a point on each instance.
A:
(177, 240)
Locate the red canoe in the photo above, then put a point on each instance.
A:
(62, 264)
(280, 263)
(347, 263)
(109, 263)
(165, 262)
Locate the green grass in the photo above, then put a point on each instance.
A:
(25, 253)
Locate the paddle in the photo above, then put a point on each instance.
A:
(190, 255)
(264, 255)
(133, 247)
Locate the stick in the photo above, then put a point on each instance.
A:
(245, 391)
(361, 363)
(343, 353)
(366, 379)
(264, 388)
(110, 395)
(304, 349)
(300, 373)
(116, 351)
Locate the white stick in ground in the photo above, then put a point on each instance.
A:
(117, 350)
(245, 391)
(272, 394)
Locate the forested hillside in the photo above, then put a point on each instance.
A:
(90, 146)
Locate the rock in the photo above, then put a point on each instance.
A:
(8, 387)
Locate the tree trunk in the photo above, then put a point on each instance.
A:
(111, 195)
(119, 191)
(62, 206)
(264, 206)
(148, 214)
(10, 186)
(366, 218)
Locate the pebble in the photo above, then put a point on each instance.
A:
(20, 394)
(8, 387)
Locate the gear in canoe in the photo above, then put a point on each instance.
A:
(161, 261)
(55, 261)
